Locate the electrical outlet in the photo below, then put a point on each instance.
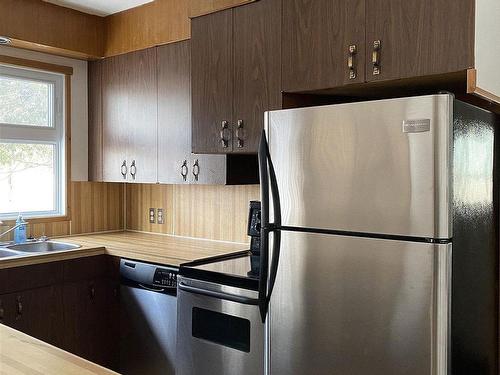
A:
(161, 218)
(152, 215)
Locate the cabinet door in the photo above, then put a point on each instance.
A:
(141, 90)
(95, 120)
(174, 113)
(129, 102)
(38, 313)
(212, 82)
(257, 70)
(419, 37)
(208, 169)
(316, 39)
(8, 309)
(115, 136)
(87, 320)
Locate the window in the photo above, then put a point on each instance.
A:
(32, 147)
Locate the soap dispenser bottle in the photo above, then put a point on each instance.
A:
(20, 231)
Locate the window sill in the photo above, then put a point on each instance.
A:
(37, 220)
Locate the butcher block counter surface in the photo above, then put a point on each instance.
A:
(23, 354)
(147, 247)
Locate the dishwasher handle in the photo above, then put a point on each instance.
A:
(151, 289)
(220, 295)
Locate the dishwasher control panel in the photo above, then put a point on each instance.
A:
(165, 278)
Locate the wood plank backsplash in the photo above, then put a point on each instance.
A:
(95, 207)
(203, 211)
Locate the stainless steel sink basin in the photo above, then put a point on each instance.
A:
(4, 253)
(42, 247)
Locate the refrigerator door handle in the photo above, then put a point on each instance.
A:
(268, 177)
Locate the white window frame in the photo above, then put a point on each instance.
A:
(54, 134)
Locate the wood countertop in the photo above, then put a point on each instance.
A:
(23, 354)
(154, 248)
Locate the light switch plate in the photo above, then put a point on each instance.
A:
(152, 215)
(161, 218)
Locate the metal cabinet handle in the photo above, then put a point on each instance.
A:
(92, 292)
(133, 169)
(219, 295)
(2, 312)
(353, 50)
(239, 131)
(124, 169)
(225, 129)
(184, 170)
(377, 45)
(19, 307)
(196, 170)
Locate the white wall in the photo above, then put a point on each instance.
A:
(487, 47)
(79, 106)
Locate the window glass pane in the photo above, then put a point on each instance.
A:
(27, 177)
(24, 102)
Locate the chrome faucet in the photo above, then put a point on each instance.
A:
(10, 229)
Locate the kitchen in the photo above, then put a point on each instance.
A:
(249, 187)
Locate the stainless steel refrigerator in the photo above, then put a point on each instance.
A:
(379, 239)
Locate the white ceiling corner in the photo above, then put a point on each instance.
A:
(99, 7)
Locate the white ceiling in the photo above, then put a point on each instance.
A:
(99, 7)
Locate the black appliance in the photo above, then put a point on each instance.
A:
(254, 225)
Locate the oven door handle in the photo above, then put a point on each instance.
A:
(220, 295)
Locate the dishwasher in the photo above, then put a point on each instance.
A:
(148, 318)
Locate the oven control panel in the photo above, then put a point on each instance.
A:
(165, 278)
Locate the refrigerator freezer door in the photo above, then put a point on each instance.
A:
(376, 167)
(350, 305)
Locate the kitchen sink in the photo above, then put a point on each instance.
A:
(42, 247)
(4, 253)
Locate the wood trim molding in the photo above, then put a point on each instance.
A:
(472, 88)
(149, 25)
(67, 117)
(44, 27)
(41, 24)
(32, 64)
(52, 50)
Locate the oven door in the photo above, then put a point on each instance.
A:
(219, 330)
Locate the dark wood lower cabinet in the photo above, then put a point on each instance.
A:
(38, 312)
(77, 313)
(88, 321)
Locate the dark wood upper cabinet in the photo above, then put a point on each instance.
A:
(257, 70)
(129, 117)
(142, 115)
(418, 37)
(115, 136)
(95, 120)
(236, 69)
(317, 36)
(174, 112)
(176, 164)
(212, 82)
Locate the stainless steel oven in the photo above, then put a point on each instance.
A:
(219, 329)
